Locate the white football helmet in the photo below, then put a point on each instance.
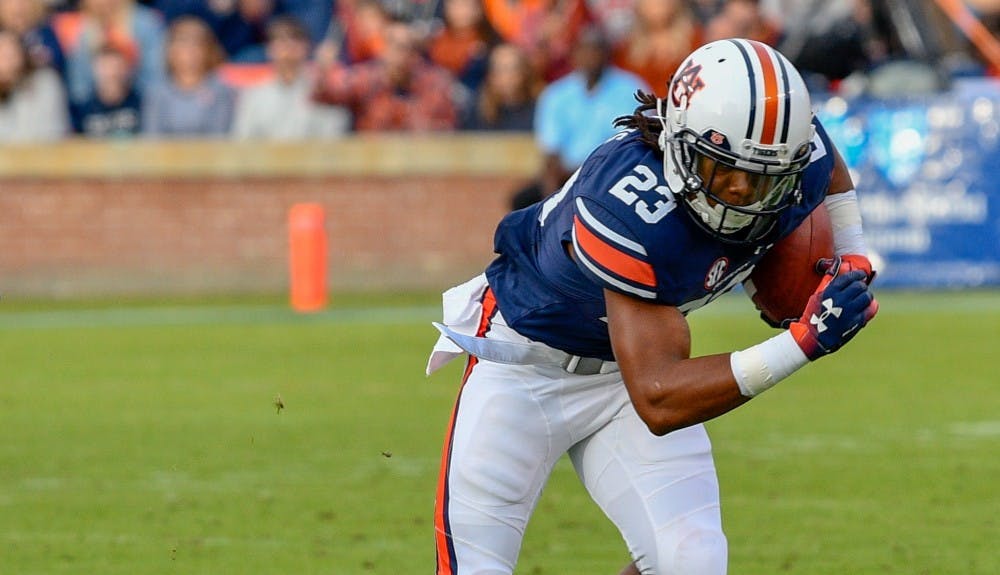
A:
(736, 105)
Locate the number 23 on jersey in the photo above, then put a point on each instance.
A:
(643, 179)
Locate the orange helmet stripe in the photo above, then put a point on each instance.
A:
(771, 95)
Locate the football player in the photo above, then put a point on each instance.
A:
(576, 333)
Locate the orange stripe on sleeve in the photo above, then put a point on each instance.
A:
(613, 259)
(770, 93)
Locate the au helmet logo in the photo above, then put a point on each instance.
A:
(717, 139)
(828, 310)
(687, 82)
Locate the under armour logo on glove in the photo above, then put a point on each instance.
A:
(828, 310)
(841, 305)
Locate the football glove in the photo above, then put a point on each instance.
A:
(849, 262)
(837, 310)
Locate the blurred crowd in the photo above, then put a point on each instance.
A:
(302, 69)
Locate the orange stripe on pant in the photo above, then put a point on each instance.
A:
(445, 548)
(770, 93)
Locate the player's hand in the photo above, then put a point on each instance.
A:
(849, 262)
(841, 305)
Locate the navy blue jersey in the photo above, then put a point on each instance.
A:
(629, 235)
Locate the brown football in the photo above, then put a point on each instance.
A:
(783, 281)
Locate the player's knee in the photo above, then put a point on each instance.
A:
(697, 552)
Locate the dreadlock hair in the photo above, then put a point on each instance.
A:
(649, 127)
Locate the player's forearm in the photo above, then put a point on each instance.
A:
(675, 395)
(760, 367)
(845, 219)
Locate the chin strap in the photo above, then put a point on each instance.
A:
(661, 116)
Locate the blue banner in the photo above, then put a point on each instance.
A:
(927, 171)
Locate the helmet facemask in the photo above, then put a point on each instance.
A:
(770, 187)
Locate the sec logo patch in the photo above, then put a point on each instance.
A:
(716, 273)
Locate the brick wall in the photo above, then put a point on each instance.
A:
(98, 220)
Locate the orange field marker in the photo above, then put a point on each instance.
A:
(307, 257)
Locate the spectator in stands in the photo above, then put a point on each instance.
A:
(134, 29)
(29, 20)
(827, 41)
(357, 33)
(422, 15)
(576, 113)
(240, 25)
(544, 29)
(462, 44)
(506, 100)
(173, 9)
(242, 30)
(743, 19)
(114, 110)
(315, 15)
(705, 10)
(282, 108)
(32, 100)
(615, 17)
(663, 33)
(398, 91)
(190, 100)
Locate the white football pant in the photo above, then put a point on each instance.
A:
(510, 426)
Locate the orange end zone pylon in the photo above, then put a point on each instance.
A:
(307, 257)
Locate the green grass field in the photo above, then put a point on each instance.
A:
(145, 439)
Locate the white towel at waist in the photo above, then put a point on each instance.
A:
(461, 318)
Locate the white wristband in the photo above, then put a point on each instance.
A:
(845, 219)
(760, 367)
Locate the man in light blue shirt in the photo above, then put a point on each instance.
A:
(575, 114)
